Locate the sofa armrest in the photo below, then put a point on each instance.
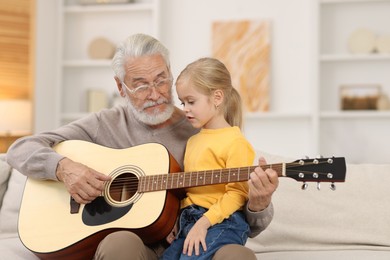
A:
(5, 170)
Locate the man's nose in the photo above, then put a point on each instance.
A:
(155, 94)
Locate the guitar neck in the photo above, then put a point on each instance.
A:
(200, 178)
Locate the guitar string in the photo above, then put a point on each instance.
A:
(209, 172)
(131, 182)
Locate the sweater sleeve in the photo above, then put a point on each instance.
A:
(33, 155)
(239, 154)
(258, 221)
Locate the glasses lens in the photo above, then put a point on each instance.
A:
(144, 91)
(163, 85)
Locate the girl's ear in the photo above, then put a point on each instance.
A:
(218, 97)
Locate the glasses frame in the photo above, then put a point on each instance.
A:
(166, 81)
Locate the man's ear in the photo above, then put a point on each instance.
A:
(218, 97)
(121, 88)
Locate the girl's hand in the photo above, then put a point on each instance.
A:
(173, 233)
(196, 236)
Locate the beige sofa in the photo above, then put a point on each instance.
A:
(352, 222)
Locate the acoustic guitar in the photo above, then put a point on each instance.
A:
(139, 198)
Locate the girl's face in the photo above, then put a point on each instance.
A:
(199, 108)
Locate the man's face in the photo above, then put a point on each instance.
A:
(148, 88)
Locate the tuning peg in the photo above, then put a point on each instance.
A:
(319, 156)
(304, 186)
(333, 186)
(318, 186)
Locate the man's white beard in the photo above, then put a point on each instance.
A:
(156, 117)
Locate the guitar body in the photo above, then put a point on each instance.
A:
(49, 229)
(53, 226)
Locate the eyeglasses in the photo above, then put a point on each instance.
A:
(143, 90)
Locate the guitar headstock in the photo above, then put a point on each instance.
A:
(318, 170)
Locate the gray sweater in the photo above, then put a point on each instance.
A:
(113, 128)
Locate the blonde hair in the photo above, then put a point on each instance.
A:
(210, 74)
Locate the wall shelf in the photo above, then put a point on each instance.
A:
(86, 63)
(351, 132)
(79, 25)
(277, 116)
(355, 115)
(354, 57)
(105, 8)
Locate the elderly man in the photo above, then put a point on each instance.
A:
(144, 79)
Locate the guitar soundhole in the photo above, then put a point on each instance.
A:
(123, 187)
(122, 190)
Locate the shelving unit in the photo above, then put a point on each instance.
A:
(358, 135)
(79, 25)
(305, 116)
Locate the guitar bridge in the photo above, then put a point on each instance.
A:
(74, 206)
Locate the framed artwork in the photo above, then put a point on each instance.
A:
(244, 47)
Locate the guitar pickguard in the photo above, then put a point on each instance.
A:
(99, 212)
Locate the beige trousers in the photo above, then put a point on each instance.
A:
(127, 245)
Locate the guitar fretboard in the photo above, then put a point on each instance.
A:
(199, 178)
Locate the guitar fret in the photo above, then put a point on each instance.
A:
(186, 179)
(159, 181)
(140, 185)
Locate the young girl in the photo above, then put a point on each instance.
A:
(211, 216)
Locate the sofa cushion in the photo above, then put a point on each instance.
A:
(5, 171)
(9, 211)
(326, 255)
(354, 217)
(12, 248)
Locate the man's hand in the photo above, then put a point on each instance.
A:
(262, 185)
(196, 237)
(83, 183)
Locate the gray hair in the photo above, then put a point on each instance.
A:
(137, 45)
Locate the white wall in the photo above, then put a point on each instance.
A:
(46, 65)
(186, 30)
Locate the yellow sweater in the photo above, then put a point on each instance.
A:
(218, 149)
